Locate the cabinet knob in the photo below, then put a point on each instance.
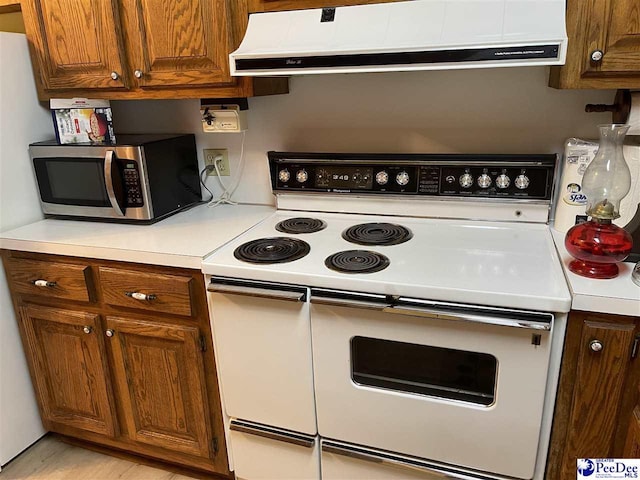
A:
(115, 75)
(44, 283)
(596, 56)
(87, 329)
(141, 296)
(596, 345)
(138, 74)
(109, 333)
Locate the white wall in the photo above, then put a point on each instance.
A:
(506, 110)
(22, 121)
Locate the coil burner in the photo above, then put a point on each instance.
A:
(299, 225)
(377, 234)
(272, 250)
(357, 261)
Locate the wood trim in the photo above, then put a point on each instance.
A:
(256, 6)
(10, 6)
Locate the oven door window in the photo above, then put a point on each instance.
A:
(72, 181)
(424, 370)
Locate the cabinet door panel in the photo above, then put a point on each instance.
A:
(614, 28)
(76, 42)
(160, 377)
(593, 419)
(70, 370)
(178, 43)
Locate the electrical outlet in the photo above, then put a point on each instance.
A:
(210, 155)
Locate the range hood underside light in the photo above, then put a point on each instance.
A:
(404, 36)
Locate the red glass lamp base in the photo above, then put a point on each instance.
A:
(597, 246)
(594, 270)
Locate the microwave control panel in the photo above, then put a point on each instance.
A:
(493, 176)
(132, 184)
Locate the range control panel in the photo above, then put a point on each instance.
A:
(495, 176)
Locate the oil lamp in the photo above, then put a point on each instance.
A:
(598, 244)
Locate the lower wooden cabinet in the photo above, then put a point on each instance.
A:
(597, 410)
(135, 375)
(160, 377)
(69, 368)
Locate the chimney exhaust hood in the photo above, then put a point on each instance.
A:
(403, 36)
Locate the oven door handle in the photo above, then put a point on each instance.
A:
(295, 438)
(438, 314)
(250, 291)
(108, 177)
(340, 298)
(408, 463)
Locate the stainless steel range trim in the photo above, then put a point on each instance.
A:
(257, 289)
(272, 433)
(402, 461)
(433, 309)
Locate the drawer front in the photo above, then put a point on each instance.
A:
(159, 293)
(49, 279)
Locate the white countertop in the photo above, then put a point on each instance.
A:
(618, 295)
(181, 240)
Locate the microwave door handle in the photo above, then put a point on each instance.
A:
(108, 177)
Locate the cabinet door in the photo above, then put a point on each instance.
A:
(76, 43)
(160, 379)
(607, 26)
(69, 368)
(632, 445)
(600, 379)
(178, 43)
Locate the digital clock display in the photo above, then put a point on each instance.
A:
(347, 177)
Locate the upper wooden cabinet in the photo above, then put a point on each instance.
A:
(277, 5)
(76, 43)
(177, 43)
(136, 49)
(604, 45)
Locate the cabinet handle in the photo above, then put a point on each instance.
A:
(596, 56)
(115, 75)
(596, 345)
(87, 329)
(138, 73)
(43, 283)
(141, 296)
(109, 333)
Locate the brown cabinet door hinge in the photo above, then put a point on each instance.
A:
(634, 348)
(203, 344)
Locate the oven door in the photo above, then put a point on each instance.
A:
(262, 335)
(99, 182)
(449, 383)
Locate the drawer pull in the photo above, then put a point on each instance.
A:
(87, 329)
(141, 296)
(109, 333)
(44, 283)
(596, 345)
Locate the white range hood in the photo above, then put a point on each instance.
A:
(403, 36)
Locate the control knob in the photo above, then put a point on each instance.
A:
(302, 176)
(284, 175)
(484, 181)
(503, 181)
(466, 180)
(522, 181)
(402, 178)
(382, 177)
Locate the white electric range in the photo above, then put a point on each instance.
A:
(399, 316)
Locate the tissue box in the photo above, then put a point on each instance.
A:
(80, 120)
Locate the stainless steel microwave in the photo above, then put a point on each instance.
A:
(143, 178)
